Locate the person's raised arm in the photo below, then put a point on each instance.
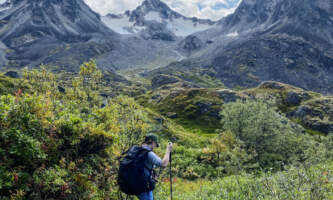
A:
(166, 158)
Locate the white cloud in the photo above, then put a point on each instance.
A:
(112, 6)
(189, 8)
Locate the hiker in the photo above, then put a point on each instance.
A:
(136, 175)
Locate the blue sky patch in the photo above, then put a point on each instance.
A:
(201, 6)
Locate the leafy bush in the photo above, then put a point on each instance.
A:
(227, 155)
(275, 141)
(60, 147)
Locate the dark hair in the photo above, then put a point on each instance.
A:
(148, 142)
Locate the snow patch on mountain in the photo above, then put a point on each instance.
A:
(155, 17)
(184, 27)
(233, 34)
(5, 5)
(151, 16)
(120, 25)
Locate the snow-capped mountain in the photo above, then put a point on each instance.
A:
(65, 33)
(56, 18)
(62, 32)
(5, 5)
(282, 40)
(153, 19)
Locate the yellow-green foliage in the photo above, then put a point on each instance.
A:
(201, 77)
(39, 134)
(57, 146)
(11, 85)
(41, 80)
(272, 137)
(297, 183)
(90, 75)
(197, 109)
(64, 145)
(227, 154)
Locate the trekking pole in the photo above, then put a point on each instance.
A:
(170, 175)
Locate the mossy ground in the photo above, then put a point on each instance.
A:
(186, 104)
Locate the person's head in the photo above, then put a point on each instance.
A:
(151, 140)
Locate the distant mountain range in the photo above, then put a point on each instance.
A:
(155, 20)
(66, 33)
(280, 40)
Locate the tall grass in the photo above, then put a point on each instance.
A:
(296, 183)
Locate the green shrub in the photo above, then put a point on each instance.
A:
(54, 149)
(275, 141)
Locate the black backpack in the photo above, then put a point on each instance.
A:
(134, 177)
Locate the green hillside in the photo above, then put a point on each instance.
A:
(61, 135)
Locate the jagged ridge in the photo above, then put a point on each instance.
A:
(281, 40)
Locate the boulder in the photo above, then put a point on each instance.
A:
(12, 74)
(171, 115)
(203, 108)
(228, 95)
(293, 98)
(303, 111)
(104, 95)
(163, 79)
(157, 97)
(61, 89)
(104, 103)
(159, 120)
(321, 126)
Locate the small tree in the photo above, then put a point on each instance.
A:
(90, 75)
(89, 81)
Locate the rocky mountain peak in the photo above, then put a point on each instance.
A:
(297, 17)
(5, 5)
(32, 29)
(157, 6)
(152, 4)
(59, 19)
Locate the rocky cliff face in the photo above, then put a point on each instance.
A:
(51, 31)
(65, 20)
(298, 18)
(281, 40)
(66, 33)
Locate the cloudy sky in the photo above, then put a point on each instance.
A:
(211, 9)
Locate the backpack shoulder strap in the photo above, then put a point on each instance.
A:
(143, 152)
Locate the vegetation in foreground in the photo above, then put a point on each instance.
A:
(299, 183)
(63, 143)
